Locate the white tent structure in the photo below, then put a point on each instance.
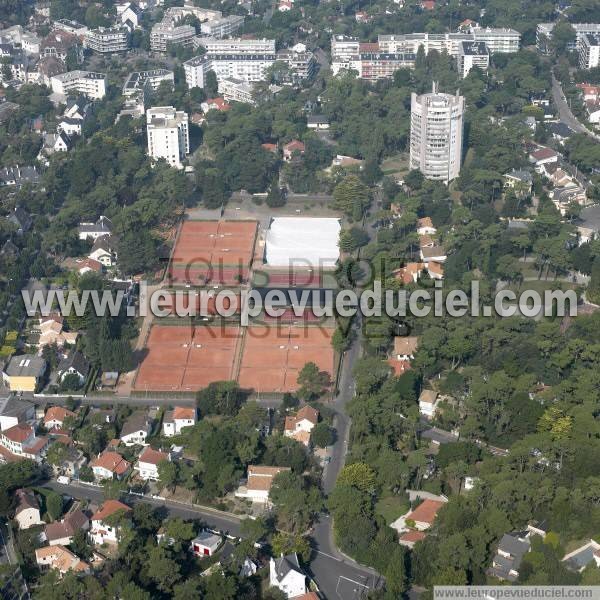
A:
(303, 242)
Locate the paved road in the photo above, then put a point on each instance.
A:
(564, 112)
(6, 550)
(338, 576)
(214, 519)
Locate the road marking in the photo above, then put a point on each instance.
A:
(329, 556)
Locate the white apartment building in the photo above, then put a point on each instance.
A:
(168, 134)
(498, 39)
(472, 54)
(195, 71)
(166, 33)
(106, 41)
(543, 34)
(92, 85)
(436, 130)
(147, 80)
(343, 46)
(222, 27)
(589, 51)
(243, 67)
(236, 46)
(236, 90)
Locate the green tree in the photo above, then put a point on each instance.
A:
(359, 475)
(313, 382)
(285, 543)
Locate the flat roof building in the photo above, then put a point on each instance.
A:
(589, 51)
(107, 41)
(303, 241)
(168, 134)
(472, 54)
(92, 85)
(436, 130)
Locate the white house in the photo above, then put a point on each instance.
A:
(135, 430)
(178, 418)
(27, 513)
(103, 250)
(103, 226)
(55, 416)
(428, 403)
(300, 426)
(205, 543)
(148, 461)
(425, 226)
(421, 518)
(259, 482)
(285, 574)
(62, 532)
(103, 532)
(109, 465)
(432, 254)
(21, 440)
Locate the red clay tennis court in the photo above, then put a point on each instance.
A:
(186, 359)
(274, 355)
(209, 247)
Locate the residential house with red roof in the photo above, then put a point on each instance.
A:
(60, 559)
(178, 418)
(259, 482)
(20, 441)
(291, 148)
(148, 461)
(55, 416)
(301, 424)
(104, 529)
(109, 465)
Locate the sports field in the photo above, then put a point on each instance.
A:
(186, 359)
(213, 252)
(274, 355)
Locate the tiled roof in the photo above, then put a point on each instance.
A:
(426, 511)
(18, 433)
(110, 507)
(111, 461)
(152, 457)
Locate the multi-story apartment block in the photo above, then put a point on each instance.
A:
(391, 52)
(302, 64)
(498, 40)
(222, 27)
(436, 130)
(147, 80)
(168, 134)
(106, 41)
(195, 71)
(245, 60)
(472, 54)
(92, 85)
(543, 34)
(165, 33)
(589, 51)
(344, 47)
(236, 90)
(236, 46)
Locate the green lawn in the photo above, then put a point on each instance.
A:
(395, 165)
(392, 507)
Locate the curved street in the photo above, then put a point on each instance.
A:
(564, 112)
